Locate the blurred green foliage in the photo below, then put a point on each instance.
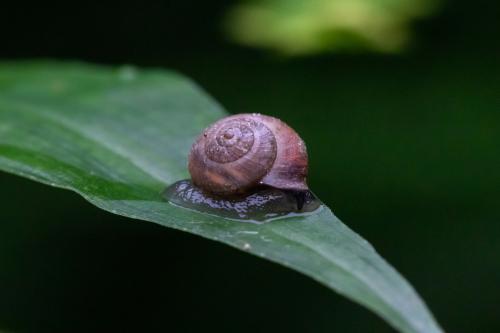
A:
(296, 27)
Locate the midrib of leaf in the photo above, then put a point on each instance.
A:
(299, 241)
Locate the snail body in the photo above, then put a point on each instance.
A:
(246, 167)
(239, 153)
(258, 206)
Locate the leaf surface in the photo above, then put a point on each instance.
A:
(118, 137)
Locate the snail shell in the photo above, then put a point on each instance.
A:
(240, 152)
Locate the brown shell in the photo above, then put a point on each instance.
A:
(243, 151)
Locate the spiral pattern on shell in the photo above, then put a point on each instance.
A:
(230, 141)
(232, 155)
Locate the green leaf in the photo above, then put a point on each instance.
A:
(118, 137)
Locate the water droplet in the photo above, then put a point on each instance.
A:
(248, 232)
(261, 205)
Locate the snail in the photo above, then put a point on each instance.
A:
(247, 163)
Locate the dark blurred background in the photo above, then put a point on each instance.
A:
(403, 148)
